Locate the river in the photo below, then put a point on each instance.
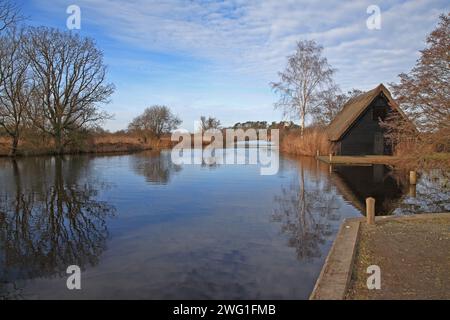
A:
(141, 227)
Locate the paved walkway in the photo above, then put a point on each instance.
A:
(413, 253)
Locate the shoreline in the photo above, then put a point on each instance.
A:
(81, 152)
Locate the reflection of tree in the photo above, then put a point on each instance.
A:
(305, 212)
(157, 167)
(43, 231)
(432, 194)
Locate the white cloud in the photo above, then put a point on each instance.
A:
(255, 36)
(252, 38)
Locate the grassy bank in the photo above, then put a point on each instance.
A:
(98, 143)
(425, 160)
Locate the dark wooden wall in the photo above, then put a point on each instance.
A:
(359, 138)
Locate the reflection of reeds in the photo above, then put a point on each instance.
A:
(4, 145)
(312, 140)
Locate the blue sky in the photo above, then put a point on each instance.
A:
(218, 57)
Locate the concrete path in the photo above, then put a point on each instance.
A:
(336, 276)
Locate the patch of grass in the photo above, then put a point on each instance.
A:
(438, 156)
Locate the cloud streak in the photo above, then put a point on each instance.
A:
(250, 39)
(255, 36)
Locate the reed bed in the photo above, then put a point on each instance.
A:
(313, 140)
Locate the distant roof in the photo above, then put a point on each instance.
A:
(354, 108)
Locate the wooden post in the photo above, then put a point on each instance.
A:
(370, 210)
(331, 157)
(317, 153)
(412, 177)
(412, 190)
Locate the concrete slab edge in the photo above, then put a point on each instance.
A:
(336, 272)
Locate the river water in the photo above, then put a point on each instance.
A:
(141, 227)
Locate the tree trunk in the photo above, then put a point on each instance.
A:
(302, 124)
(14, 145)
(59, 143)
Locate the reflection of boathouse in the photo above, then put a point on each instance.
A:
(356, 183)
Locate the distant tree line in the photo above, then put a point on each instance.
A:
(52, 82)
(265, 125)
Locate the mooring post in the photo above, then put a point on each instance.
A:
(412, 190)
(370, 210)
(317, 153)
(412, 177)
(331, 157)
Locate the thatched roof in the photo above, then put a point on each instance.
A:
(354, 108)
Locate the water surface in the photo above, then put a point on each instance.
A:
(141, 227)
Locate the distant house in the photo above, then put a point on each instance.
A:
(356, 128)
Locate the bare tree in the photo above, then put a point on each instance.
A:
(307, 74)
(15, 85)
(155, 120)
(209, 123)
(424, 93)
(329, 103)
(72, 82)
(9, 14)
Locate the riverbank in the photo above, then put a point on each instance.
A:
(353, 160)
(102, 143)
(411, 251)
(316, 141)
